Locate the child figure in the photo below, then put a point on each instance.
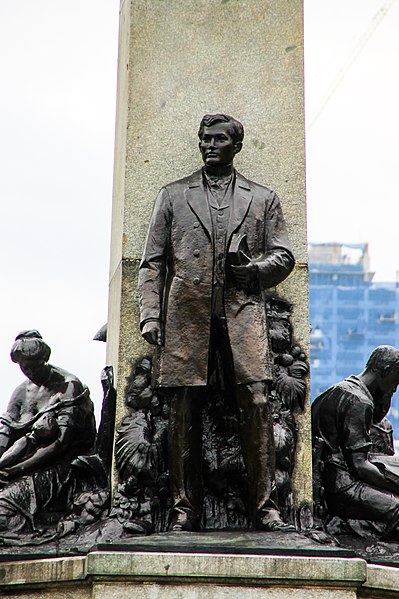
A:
(44, 431)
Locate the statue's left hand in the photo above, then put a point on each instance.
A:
(246, 275)
(152, 332)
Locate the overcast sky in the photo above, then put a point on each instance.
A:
(58, 78)
(352, 149)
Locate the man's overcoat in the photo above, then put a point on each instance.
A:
(176, 276)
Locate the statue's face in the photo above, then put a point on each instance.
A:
(383, 394)
(34, 370)
(217, 146)
(381, 407)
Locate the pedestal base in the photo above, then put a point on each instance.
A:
(123, 575)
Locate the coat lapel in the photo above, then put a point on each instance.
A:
(242, 198)
(197, 200)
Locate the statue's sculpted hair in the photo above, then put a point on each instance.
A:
(29, 345)
(383, 359)
(236, 130)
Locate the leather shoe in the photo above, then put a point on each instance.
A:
(183, 523)
(277, 526)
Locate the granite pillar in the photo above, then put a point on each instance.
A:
(178, 61)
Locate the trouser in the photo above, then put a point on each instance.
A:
(256, 435)
(360, 501)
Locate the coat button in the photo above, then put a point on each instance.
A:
(196, 252)
(196, 281)
(196, 224)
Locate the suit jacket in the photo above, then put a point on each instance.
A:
(175, 279)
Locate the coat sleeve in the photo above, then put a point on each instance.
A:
(153, 266)
(278, 261)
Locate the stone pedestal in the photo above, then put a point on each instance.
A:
(152, 575)
(106, 575)
(178, 61)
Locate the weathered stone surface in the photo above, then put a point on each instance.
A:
(381, 580)
(133, 567)
(296, 289)
(258, 78)
(203, 591)
(55, 570)
(174, 576)
(58, 592)
(272, 570)
(124, 316)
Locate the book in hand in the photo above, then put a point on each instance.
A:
(239, 253)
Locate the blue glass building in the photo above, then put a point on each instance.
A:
(349, 315)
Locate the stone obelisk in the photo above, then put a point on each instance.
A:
(178, 61)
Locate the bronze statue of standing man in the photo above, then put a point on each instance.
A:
(202, 304)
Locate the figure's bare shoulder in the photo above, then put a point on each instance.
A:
(72, 383)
